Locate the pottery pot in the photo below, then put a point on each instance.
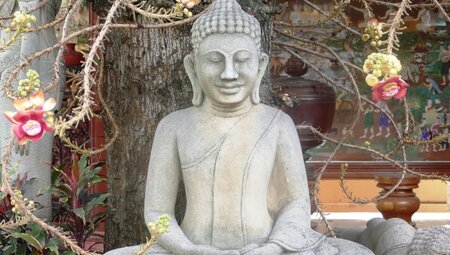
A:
(72, 57)
(313, 103)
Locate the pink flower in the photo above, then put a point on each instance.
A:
(392, 87)
(29, 122)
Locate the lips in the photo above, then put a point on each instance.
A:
(229, 89)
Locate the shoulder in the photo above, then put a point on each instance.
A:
(266, 110)
(176, 120)
(177, 117)
(280, 117)
(286, 120)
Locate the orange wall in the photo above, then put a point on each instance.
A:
(432, 194)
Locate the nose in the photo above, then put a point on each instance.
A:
(229, 72)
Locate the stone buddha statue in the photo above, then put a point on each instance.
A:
(38, 156)
(240, 160)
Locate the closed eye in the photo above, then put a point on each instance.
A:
(242, 56)
(214, 57)
(241, 60)
(215, 60)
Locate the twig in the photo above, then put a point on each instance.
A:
(441, 10)
(84, 110)
(394, 25)
(297, 47)
(333, 19)
(353, 124)
(59, 56)
(389, 115)
(6, 90)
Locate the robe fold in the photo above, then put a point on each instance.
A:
(234, 175)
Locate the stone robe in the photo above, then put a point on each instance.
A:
(37, 164)
(245, 183)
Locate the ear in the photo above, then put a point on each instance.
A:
(189, 66)
(262, 66)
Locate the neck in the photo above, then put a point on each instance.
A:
(227, 111)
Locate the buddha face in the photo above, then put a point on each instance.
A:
(227, 68)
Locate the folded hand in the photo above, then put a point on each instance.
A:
(209, 250)
(21, 149)
(265, 249)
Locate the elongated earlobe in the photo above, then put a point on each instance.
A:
(263, 61)
(197, 97)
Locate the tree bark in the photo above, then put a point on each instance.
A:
(144, 81)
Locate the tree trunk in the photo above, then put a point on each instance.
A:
(144, 81)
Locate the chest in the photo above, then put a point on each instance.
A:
(201, 137)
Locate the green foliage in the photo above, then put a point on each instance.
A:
(31, 239)
(17, 236)
(78, 210)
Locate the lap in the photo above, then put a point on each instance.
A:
(346, 247)
(336, 246)
(330, 246)
(154, 250)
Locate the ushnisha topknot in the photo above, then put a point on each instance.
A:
(225, 17)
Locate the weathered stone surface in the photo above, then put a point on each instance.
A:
(388, 237)
(37, 163)
(430, 241)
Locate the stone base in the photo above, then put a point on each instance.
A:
(330, 246)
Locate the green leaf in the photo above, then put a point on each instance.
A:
(38, 233)
(96, 201)
(52, 245)
(55, 191)
(97, 179)
(69, 253)
(80, 213)
(29, 239)
(82, 163)
(86, 179)
(7, 250)
(56, 173)
(2, 195)
(63, 200)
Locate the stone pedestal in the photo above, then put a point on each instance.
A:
(402, 203)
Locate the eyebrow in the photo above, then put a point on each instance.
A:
(221, 52)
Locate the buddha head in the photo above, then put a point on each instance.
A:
(226, 65)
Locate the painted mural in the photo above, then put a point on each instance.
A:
(425, 55)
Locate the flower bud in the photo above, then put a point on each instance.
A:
(365, 37)
(392, 72)
(377, 73)
(371, 80)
